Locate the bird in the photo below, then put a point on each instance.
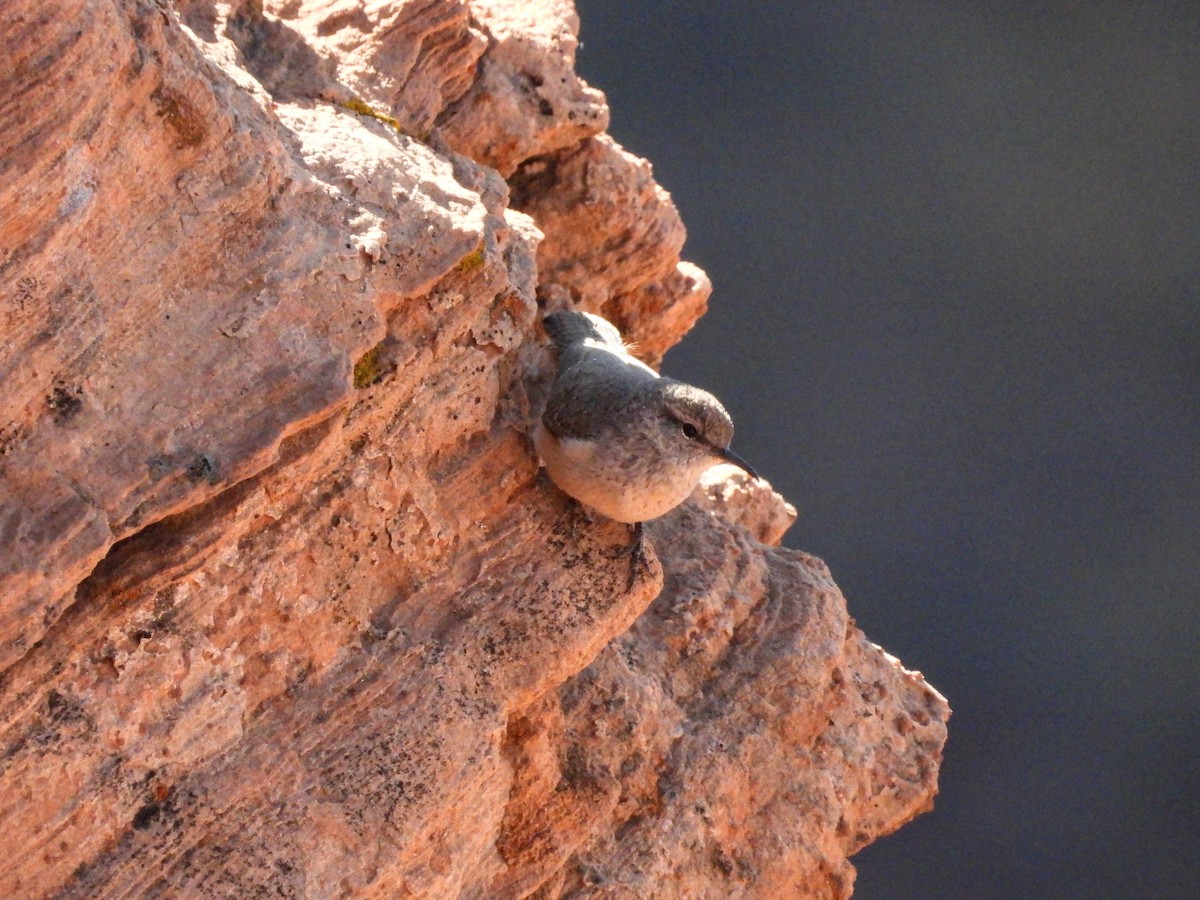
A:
(618, 437)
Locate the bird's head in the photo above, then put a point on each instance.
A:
(696, 422)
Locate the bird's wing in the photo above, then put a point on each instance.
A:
(570, 328)
(589, 397)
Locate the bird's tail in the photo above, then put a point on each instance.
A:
(568, 328)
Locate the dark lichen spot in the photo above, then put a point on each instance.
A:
(473, 261)
(162, 802)
(10, 436)
(181, 114)
(545, 107)
(369, 369)
(159, 465)
(721, 862)
(202, 468)
(164, 606)
(145, 816)
(28, 289)
(64, 403)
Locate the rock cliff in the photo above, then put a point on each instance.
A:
(285, 606)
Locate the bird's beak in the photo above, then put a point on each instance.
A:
(729, 456)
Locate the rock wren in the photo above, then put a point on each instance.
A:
(617, 436)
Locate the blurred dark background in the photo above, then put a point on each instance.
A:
(956, 250)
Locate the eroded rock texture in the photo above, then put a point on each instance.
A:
(284, 605)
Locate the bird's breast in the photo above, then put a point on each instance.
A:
(631, 486)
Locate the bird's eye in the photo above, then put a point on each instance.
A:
(690, 430)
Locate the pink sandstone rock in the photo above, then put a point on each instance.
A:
(284, 604)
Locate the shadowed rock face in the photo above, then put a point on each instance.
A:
(284, 605)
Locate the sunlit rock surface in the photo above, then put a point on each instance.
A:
(284, 605)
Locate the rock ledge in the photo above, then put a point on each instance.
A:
(284, 605)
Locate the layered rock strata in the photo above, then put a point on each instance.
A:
(284, 604)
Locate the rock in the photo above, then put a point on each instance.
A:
(284, 604)
(612, 243)
(732, 494)
(526, 100)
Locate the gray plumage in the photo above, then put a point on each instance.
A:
(617, 436)
(569, 328)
